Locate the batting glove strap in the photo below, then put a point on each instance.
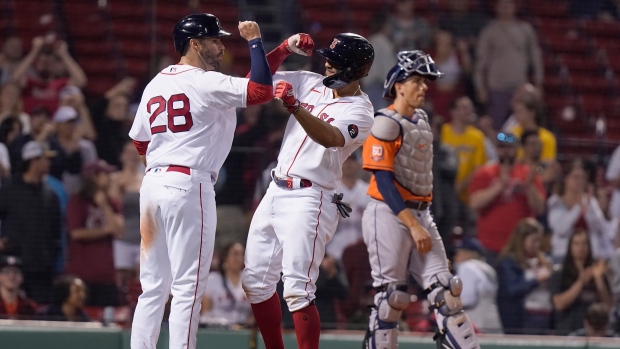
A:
(343, 208)
(292, 108)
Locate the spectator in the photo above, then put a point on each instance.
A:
(225, 302)
(574, 207)
(10, 129)
(360, 293)
(485, 124)
(125, 188)
(384, 60)
(468, 142)
(580, 283)
(445, 204)
(409, 32)
(507, 49)
(110, 115)
(524, 296)
(72, 96)
(13, 303)
(12, 53)
(331, 289)
(596, 323)
(354, 189)
(614, 266)
(525, 112)
(11, 105)
(93, 221)
(69, 298)
(42, 86)
(479, 286)
(461, 22)
(613, 176)
(504, 193)
(73, 150)
(31, 221)
(41, 128)
(529, 94)
(532, 156)
(454, 60)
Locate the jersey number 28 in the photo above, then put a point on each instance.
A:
(173, 112)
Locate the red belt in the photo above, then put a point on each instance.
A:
(176, 168)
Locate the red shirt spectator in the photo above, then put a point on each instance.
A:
(13, 304)
(503, 194)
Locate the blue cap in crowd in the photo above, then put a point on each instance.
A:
(470, 244)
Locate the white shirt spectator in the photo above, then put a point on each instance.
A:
(349, 229)
(230, 305)
(479, 294)
(5, 161)
(562, 221)
(613, 173)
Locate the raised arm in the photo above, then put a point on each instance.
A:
(77, 77)
(299, 43)
(260, 86)
(26, 63)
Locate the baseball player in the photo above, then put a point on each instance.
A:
(397, 226)
(183, 131)
(330, 118)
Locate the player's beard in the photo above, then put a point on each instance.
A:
(211, 58)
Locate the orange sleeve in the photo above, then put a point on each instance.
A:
(379, 154)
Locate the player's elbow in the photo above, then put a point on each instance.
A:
(262, 99)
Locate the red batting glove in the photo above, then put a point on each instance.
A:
(300, 43)
(284, 92)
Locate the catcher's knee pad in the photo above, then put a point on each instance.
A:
(455, 329)
(394, 299)
(381, 339)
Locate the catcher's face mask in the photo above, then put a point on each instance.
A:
(409, 63)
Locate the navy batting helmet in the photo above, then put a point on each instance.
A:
(409, 63)
(196, 26)
(352, 55)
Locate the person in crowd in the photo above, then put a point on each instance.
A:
(507, 49)
(408, 30)
(13, 303)
(331, 289)
(468, 142)
(225, 302)
(524, 296)
(94, 219)
(125, 188)
(485, 124)
(10, 129)
(68, 302)
(31, 221)
(73, 150)
(354, 189)
(41, 128)
(580, 283)
(614, 266)
(12, 52)
(525, 111)
(110, 115)
(464, 24)
(41, 84)
(531, 146)
(454, 60)
(596, 323)
(11, 104)
(72, 96)
(360, 292)
(479, 286)
(502, 194)
(574, 207)
(612, 175)
(384, 60)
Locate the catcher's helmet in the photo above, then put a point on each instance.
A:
(196, 26)
(409, 63)
(351, 55)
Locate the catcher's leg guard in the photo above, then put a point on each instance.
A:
(455, 329)
(390, 302)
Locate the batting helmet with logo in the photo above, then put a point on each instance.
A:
(196, 26)
(352, 55)
(409, 63)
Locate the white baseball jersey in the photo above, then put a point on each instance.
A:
(299, 156)
(188, 115)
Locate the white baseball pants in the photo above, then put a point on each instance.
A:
(288, 234)
(177, 225)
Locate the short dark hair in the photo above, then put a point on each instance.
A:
(62, 288)
(527, 134)
(597, 316)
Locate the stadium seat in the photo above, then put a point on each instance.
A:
(587, 83)
(599, 29)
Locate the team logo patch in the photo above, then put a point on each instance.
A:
(353, 131)
(334, 43)
(376, 152)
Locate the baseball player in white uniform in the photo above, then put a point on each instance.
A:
(298, 215)
(397, 226)
(183, 131)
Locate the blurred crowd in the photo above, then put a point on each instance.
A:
(534, 239)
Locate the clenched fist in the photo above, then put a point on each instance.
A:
(301, 44)
(284, 93)
(249, 30)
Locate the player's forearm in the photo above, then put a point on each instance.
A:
(318, 130)
(275, 58)
(388, 191)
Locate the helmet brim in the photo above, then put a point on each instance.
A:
(223, 33)
(330, 55)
